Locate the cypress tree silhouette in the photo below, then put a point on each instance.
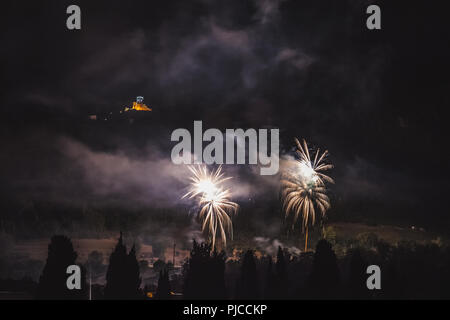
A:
(357, 278)
(52, 283)
(204, 273)
(123, 277)
(281, 264)
(247, 286)
(271, 282)
(324, 278)
(163, 290)
(134, 274)
(280, 291)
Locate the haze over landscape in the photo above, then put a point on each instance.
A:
(73, 163)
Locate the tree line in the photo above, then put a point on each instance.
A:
(408, 271)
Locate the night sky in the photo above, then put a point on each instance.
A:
(375, 99)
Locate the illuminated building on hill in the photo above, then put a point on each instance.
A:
(138, 105)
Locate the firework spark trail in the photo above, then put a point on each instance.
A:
(312, 170)
(215, 206)
(303, 187)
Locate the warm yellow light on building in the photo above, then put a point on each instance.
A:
(139, 105)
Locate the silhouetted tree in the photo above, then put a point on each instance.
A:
(204, 273)
(281, 264)
(134, 273)
(271, 282)
(53, 281)
(280, 291)
(163, 290)
(123, 277)
(357, 278)
(324, 278)
(247, 286)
